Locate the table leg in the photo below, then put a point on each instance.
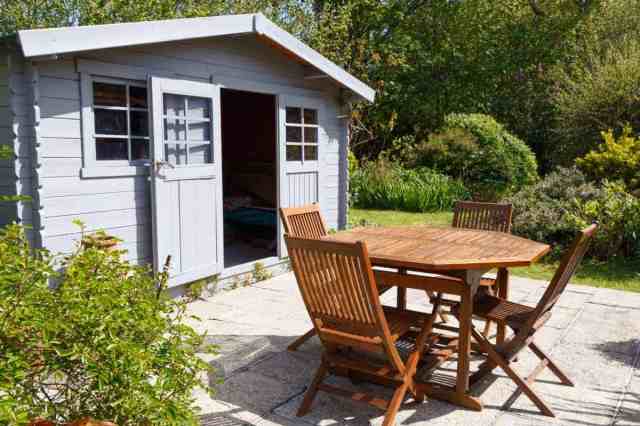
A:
(503, 293)
(464, 340)
(401, 293)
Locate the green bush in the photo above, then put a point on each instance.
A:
(600, 91)
(555, 208)
(104, 343)
(386, 185)
(617, 159)
(477, 149)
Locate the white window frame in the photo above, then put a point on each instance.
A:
(302, 125)
(108, 168)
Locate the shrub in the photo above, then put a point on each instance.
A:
(104, 343)
(480, 151)
(601, 91)
(387, 185)
(617, 159)
(555, 208)
(618, 214)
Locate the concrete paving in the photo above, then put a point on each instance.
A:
(594, 335)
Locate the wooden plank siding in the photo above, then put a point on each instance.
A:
(121, 205)
(17, 132)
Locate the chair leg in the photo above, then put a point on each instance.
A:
(431, 296)
(487, 329)
(300, 340)
(551, 365)
(313, 389)
(506, 367)
(394, 404)
(524, 387)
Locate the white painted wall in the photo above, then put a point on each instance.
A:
(121, 205)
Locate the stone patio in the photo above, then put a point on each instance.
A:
(594, 335)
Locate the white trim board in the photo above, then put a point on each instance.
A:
(49, 43)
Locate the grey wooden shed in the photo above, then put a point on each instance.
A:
(180, 137)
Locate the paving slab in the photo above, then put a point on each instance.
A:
(594, 335)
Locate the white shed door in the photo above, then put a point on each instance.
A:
(186, 178)
(301, 142)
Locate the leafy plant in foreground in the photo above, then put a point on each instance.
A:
(105, 342)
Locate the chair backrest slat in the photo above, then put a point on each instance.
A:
(334, 282)
(305, 221)
(483, 216)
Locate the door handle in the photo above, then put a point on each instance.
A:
(159, 164)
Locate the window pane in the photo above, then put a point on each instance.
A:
(199, 131)
(294, 153)
(310, 116)
(173, 104)
(200, 154)
(175, 153)
(311, 134)
(294, 115)
(310, 152)
(174, 130)
(294, 134)
(139, 149)
(107, 94)
(198, 107)
(139, 123)
(111, 149)
(110, 122)
(137, 97)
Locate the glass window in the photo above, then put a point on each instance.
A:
(187, 130)
(121, 121)
(302, 131)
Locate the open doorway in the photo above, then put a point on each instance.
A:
(249, 170)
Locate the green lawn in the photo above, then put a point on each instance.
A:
(622, 274)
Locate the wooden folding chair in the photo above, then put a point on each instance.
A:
(339, 290)
(486, 217)
(525, 321)
(305, 222)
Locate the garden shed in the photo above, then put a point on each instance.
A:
(180, 137)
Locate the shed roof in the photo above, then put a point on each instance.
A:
(42, 43)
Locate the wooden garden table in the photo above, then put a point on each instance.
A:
(461, 253)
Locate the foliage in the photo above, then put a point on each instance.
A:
(425, 59)
(353, 162)
(600, 91)
(564, 202)
(104, 343)
(260, 272)
(618, 214)
(479, 151)
(616, 158)
(387, 185)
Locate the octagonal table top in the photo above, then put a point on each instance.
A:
(441, 248)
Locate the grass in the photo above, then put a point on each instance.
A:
(397, 218)
(618, 273)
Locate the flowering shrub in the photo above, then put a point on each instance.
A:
(555, 208)
(616, 158)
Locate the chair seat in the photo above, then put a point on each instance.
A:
(400, 322)
(495, 309)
